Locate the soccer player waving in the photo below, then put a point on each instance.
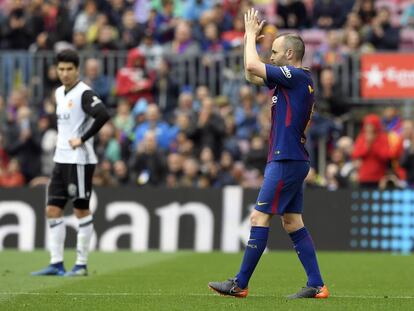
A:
(287, 162)
(80, 115)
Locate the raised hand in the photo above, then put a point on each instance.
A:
(251, 22)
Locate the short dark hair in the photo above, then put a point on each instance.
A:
(295, 42)
(68, 56)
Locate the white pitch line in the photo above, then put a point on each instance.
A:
(188, 294)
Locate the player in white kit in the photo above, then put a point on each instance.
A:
(80, 115)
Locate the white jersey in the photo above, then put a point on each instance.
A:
(73, 122)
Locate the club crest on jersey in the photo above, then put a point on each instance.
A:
(70, 104)
(72, 190)
(286, 72)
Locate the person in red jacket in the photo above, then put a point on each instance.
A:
(372, 152)
(134, 81)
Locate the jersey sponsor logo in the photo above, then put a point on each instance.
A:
(62, 116)
(96, 101)
(286, 72)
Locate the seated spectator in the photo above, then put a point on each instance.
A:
(292, 14)
(107, 39)
(12, 177)
(329, 53)
(121, 173)
(174, 170)
(123, 120)
(147, 164)
(224, 176)
(256, 157)
(186, 106)
(371, 151)
(382, 34)
(211, 40)
(153, 123)
(329, 98)
(134, 81)
(191, 173)
(97, 80)
(234, 36)
(221, 17)
(106, 146)
(354, 45)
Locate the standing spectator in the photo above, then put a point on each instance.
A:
(134, 81)
(152, 51)
(153, 123)
(165, 89)
(87, 17)
(148, 164)
(17, 34)
(131, 32)
(382, 34)
(210, 128)
(175, 169)
(183, 43)
(372, 152)
(96, 79)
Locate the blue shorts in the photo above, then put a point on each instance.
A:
(282, 189)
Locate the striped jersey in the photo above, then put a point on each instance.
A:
(292, 106)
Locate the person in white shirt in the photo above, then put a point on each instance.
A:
(80, 115)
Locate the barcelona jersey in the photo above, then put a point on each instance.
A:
(292, 106)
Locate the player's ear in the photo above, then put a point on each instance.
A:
(289, 54)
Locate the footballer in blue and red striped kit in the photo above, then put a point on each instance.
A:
(287, 161)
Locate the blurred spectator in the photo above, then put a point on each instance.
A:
(87, 17)
(382, 34)
(371, 152)
(329, 53)
(51, 81)
(12, 177)
(134, 81)
(107, 39)
(329, 98)
(221, 17)
(97, 80)
(407, 159)
(131, 32)
(292, 14)
(48, 140)
(17, 33)
(147, 165)
(246, 115)
(191, 171)
(366, 10)
(80, 41)
(193, 9)
(210, 129)
(256, 157)
(151, 50)
(234, 36)
(212, 41)
(224, 176)
(186, 106)
(391, 120)
(106, 146)
(182, 44)
(103, 174)
(23, 142)
(153, 123)
(123, 120)
(165, 89)
(121, 173)
(4, 158)
(407, 17)
(165, 22)
(92, 33)
(328, 14)
(175, 169)
(353, 44)
(115, 11)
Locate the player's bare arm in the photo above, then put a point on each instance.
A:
(253, 65)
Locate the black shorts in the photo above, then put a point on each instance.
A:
(71, 181)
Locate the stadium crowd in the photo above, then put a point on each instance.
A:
(162, 134)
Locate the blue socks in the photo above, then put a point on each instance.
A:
(305, 249)
(254, 250)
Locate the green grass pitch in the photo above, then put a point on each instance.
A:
(178, 281)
